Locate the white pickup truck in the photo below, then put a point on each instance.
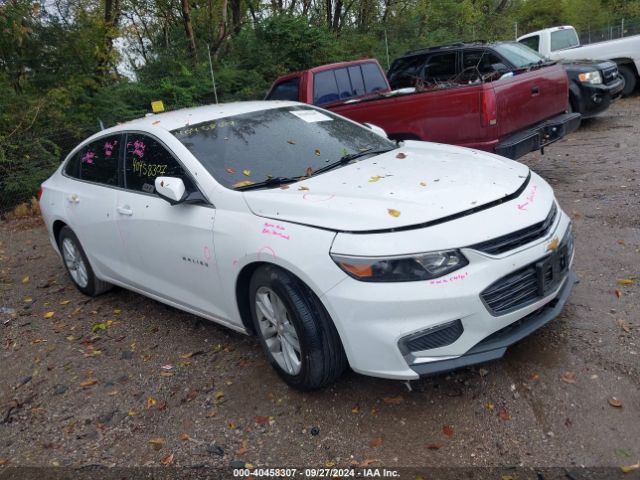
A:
(562, 43)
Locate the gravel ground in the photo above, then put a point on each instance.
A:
(82, 380)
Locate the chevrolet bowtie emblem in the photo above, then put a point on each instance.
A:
(553, 244)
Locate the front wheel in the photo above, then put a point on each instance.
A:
(77, 265)
(298, 336)
(629, 80)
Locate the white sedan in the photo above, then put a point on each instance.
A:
(333, 244)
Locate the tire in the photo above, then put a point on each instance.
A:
(296, 315)
(629, 78)
(78, 266)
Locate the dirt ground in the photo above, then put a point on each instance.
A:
(82, 380)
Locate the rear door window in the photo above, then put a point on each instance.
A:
(145, 159)
(325, 88)
(357, 82)
(99, 161)
(374, 80)
(532, 42)
(439, 67)
(287, 90)
(482, 60)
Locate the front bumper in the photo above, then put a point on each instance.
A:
(538, 136)
(378, 322)
(595, 99)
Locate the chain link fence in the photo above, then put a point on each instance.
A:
(623, 28)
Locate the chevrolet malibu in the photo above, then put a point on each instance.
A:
(334, 245)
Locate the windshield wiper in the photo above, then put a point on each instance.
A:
(269, 182)
(350, 157)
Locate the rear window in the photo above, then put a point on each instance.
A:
(99, 161)
(344, 83)
(287, 90)
(439, 67)
(561, 39)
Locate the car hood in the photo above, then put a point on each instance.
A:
(417, 183)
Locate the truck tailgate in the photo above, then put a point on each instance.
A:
(529, 98)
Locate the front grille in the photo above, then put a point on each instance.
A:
(518, 238)
(530, 283)
(610, 74)
(439, 336)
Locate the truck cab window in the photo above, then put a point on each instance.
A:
(532, 42)
(325, 88)
(287, 90)
(561, 39)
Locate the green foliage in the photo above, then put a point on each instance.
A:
(60, 77)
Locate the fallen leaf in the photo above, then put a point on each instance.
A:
(3, 461)
(132, 413)
(167, 374)
(28, 300)
(317, 152)
(393, 212)
(243, 183)
(367, 462)
(308, 172)
(151, 402)
(232, 425)
(355, 409)
(117, 311)
(49, 314)
(401, 155)
(243, 448)
(157, 443)
(261, 420)
(490, 406)
(88, 382)
(393, 400)
(424, 184)
(246, 172)
(374, 178)
(448, 431)
(330, 464)
(218, 396)
(284, 187)
(230, 170)
(303, 188)
(376, 442)
(99, 326)
(630, 468)
(506, 477)
(535, 377)
(625, 281)
(113, 393)
(65, 302)
(26, 279)
(621, 242)
(434, 446)
(191, 354)
(291, 142)
(504, 414)
(568, 377)
(614, 402)
(156, 122)
(617, 292)
(184, 437)
(167, 459)
(624, 326)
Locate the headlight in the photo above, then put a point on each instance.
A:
(590, 77)
(405, 268)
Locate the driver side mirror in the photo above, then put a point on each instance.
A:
(171, 189)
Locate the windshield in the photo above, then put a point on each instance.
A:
(519, 55)
(282, 142)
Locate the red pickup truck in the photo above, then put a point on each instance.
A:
(514, 114)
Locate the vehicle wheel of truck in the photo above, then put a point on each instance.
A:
(295, 330)
(77, 265)
(629, 78)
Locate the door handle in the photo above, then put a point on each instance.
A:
(126, 210)
(535, 91)
(73, 198)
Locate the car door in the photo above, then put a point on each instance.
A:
(169, 248)
(90, 203)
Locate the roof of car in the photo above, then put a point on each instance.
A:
(192, 116)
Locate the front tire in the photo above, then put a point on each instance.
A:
(295, 330)
(78, 266)
(629, 78)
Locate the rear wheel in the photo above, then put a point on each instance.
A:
(77, 265)
(294, 329)
(629, 78)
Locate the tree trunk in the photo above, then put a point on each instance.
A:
(188, 28)
(236, 16)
